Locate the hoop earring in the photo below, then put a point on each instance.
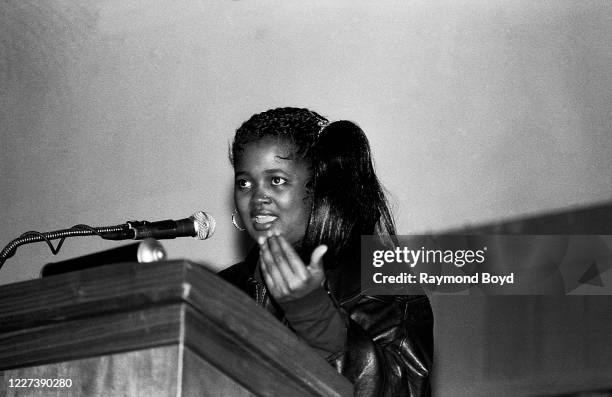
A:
(236, 223)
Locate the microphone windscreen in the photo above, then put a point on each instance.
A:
(204, 225)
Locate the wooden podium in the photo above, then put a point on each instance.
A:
(158, 329)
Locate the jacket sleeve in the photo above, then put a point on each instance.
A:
(389, 346)
(316, 320)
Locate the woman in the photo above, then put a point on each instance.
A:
(303, 188)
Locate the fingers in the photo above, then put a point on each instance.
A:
(316, 258)
(284, 271)
(270, 270)
(293, 259)
(265, 272)
(316, 264)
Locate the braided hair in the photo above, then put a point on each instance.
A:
(297, 127)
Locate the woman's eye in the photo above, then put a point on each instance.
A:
(243, 184)
(277, 181)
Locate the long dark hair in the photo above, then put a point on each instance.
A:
(348, 199)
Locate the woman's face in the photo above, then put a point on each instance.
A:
(270, 190)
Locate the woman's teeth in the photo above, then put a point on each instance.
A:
(265, 218)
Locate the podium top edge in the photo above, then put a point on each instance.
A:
(115, 287)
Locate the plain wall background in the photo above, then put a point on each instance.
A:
(476, 110)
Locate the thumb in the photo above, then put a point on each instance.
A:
(316, 258)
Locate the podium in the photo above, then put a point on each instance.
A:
(157, 329)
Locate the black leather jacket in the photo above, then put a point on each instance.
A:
(389, 338)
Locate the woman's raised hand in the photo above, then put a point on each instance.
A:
(284, 272)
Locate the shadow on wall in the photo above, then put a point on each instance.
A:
(535, 345)
(596, 219)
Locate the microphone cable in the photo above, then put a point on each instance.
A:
(107, 232)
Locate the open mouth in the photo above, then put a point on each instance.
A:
(262, 219)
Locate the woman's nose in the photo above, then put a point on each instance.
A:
(262, 199)
(261, 196)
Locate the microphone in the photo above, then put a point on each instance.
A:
(200, 225)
